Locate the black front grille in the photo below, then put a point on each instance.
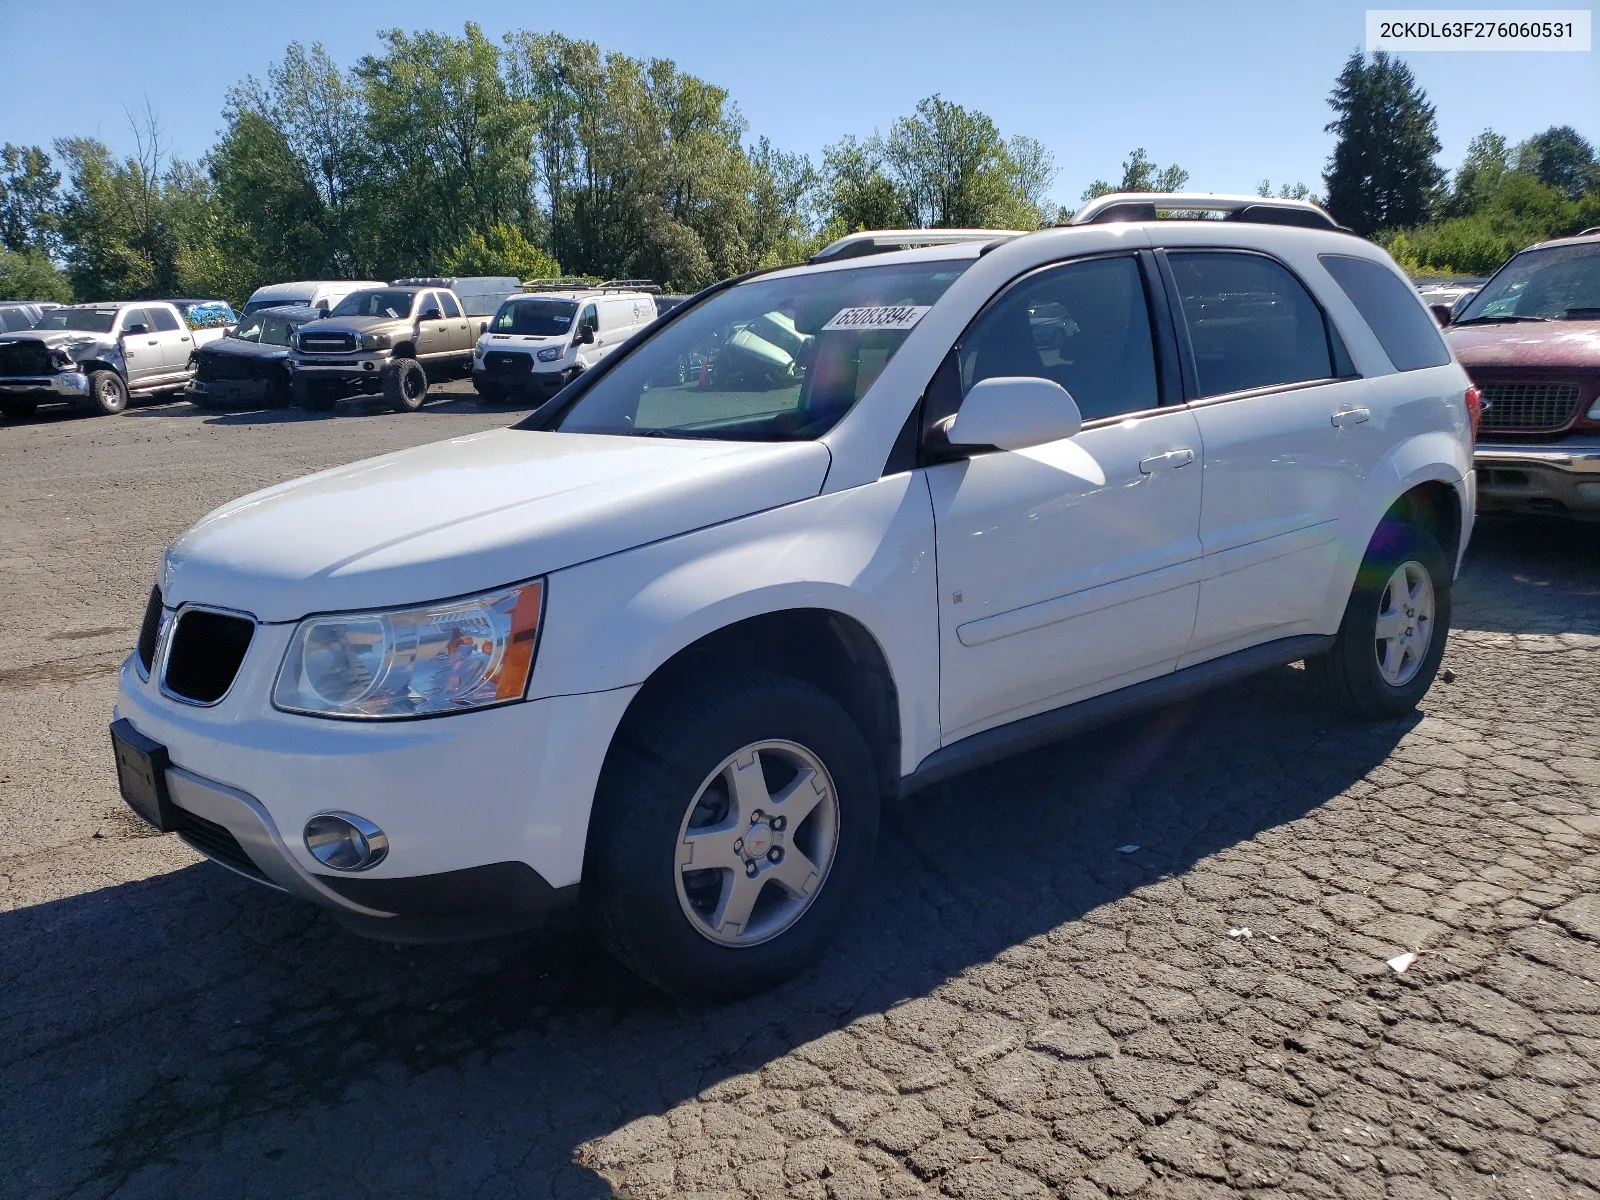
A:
(502, 363)
(206, 650)
(1528, 405)
(328, 343)
(148, 628)
(27, 357)
(214, 841)
(211, 367)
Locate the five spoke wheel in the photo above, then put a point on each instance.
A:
(756, 843)
(1405, 623)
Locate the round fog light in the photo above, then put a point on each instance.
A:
(366, 366)
(345, 841)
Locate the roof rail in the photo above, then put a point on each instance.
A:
(1259, 210)
(1593, 229)
(577, 283)
(884, 241)
(629, 285)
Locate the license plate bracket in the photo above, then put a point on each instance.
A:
(142, 775)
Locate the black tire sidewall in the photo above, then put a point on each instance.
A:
(1394, 543)
(99, 383)
(394, 390)
(630, 880)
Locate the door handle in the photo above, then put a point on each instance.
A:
(154, 342)
(1350, 416)
(1171, 459)
(184, 338)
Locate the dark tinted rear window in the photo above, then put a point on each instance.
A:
(164, 319)
(1408, 335)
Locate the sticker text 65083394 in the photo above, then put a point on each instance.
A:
(888, 316)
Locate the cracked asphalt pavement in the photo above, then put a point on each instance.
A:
(1148, 962)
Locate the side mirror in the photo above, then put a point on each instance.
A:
(1441, 313)
(1014, 412)
(135, 330)
(586, 336)
(431, 314)
(321, 304)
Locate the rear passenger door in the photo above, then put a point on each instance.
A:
(177, 342)
(1285, 426)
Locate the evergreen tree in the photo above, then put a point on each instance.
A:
(1560, 158)
(1382, 173)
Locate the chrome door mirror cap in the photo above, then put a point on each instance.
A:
(1014, 412)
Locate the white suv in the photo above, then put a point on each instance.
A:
(824, 533)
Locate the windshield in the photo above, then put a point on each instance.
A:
(375, 304)
(89, 320)
(266, 329)
(1560, 283)
(779, 359)
(536, 318)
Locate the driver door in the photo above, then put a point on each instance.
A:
(433, 330)
(1072, 568)
(141, 347)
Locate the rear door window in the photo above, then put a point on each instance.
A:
(1408, 335)
(163, 320)
(1251, 323)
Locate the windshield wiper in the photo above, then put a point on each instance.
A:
(1496, 320)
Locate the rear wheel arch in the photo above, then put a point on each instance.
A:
(828, 649)
(1433, 505)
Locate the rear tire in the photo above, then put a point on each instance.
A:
(668, 791)
(1394, 629)
(18, 411)
(108, 395)
(312, 395)
(405, 385)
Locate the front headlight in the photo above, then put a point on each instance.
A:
(374, 341)
(447, 657)
(550, 355)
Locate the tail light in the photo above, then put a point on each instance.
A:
(1474, 409)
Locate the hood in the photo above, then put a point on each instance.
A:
(70, 340)
(234, 348)
(351, 324)
(470, 514)
(1559, 344)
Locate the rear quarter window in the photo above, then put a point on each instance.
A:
(1391, 310)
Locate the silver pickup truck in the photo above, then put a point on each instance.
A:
(384, 341)
(95, 356)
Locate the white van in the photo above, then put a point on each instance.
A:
(539, 342)
(309, 293)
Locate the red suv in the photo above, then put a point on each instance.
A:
(1531, 342)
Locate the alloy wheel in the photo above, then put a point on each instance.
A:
(756, 843)
(1405, 623)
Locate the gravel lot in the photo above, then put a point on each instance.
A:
(1044, 994)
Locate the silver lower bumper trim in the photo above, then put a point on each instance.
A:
(252, 827)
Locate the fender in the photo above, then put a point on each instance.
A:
(866, 553)
(1435, 455)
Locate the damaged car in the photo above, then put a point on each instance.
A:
(94, 357)
(251, 364)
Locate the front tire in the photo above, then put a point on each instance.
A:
(732, 835)
(405, 385)
(108, 395)
(1394, 629)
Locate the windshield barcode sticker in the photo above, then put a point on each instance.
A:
(894, 316)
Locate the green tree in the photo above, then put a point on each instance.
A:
(855, 192)
(953, 169)
(29, 200)
(500, 250)
(1382, 172)
(1479, 175)
(30, 275)
(1561, 159)
(1140, 174)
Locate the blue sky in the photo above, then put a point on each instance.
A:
(1233, 92)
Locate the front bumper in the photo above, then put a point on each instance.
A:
(539, 383)
(486, 813)
(65, 385)
(1547, 477)
(231, 391)
(361, 371)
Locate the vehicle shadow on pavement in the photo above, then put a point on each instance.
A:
(195, 1034)
(360, 406)
(1530, 575)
